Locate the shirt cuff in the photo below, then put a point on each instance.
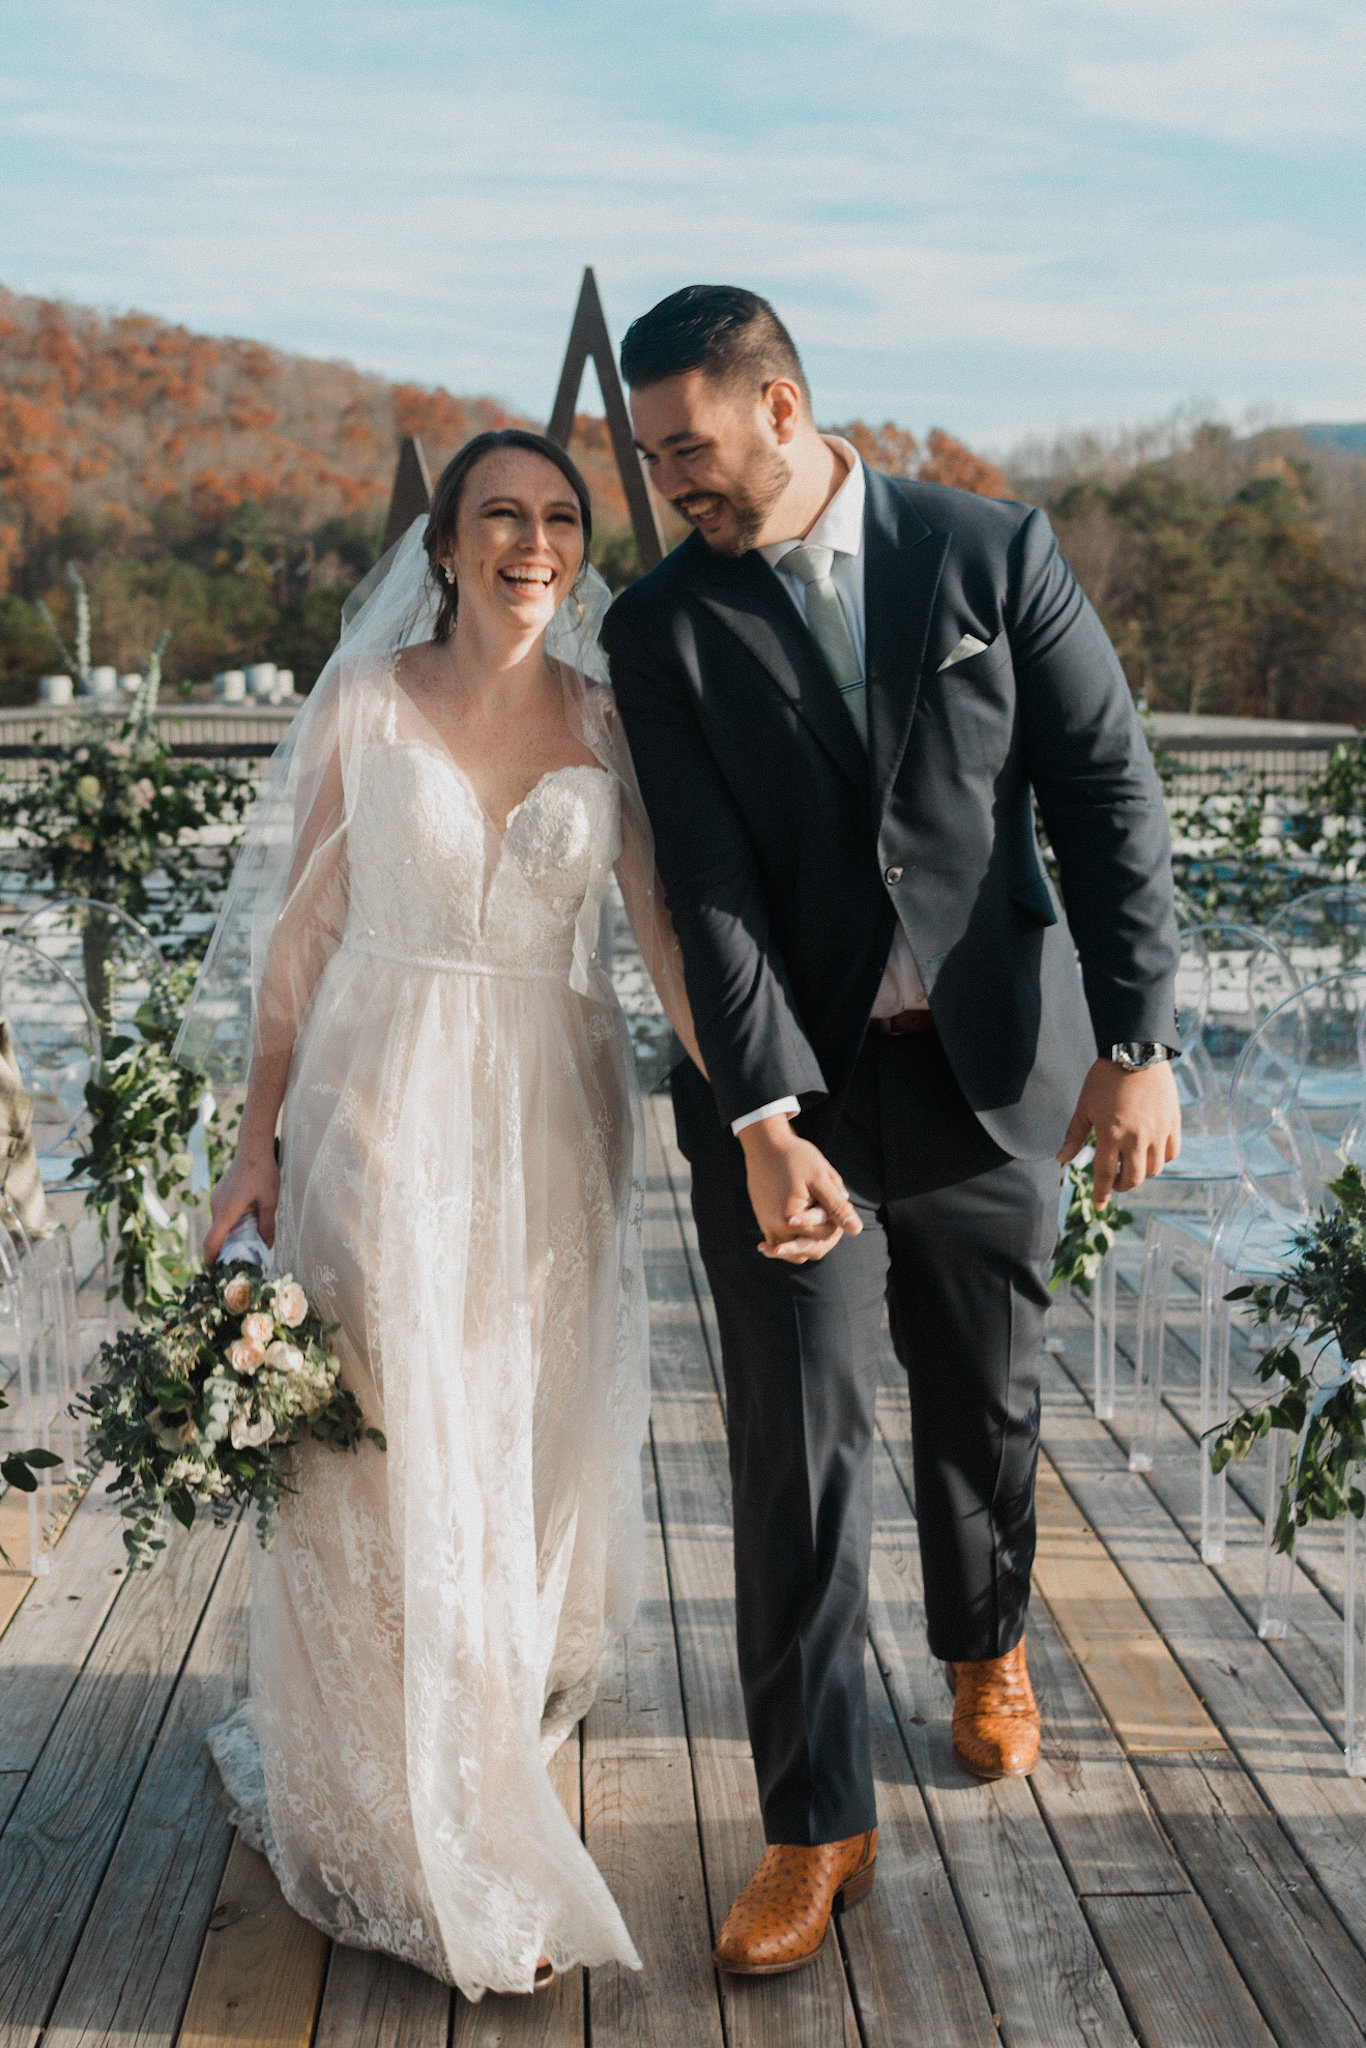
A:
(787, 1105)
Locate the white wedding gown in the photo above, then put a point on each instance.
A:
(461, 1194)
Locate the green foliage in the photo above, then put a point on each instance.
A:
(200, 1406)
(143, 1107)
(1088, 1234)
(1320, 1299)
(117, 819)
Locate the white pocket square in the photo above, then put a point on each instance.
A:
(968, 645)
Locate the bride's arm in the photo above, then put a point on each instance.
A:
(648, 912)
(306, 934)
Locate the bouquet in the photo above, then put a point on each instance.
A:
(200, 1405)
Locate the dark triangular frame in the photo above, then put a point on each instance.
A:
(588, 338)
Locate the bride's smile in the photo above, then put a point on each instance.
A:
(519, 545)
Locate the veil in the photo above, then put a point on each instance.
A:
(285, 907)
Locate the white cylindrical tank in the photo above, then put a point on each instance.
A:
(55, 689)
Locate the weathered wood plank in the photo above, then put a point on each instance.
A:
(1036, 1952)
(261, 1968)
(640, 1824)
(1267, 1722)
(1133, 1674)
(16, 1580)
(1303, 1969)
(67, 1819)
(811, 2009)
(553, 2018)
(46, 1644)
(1093, 1802)
(913, 1971)
(1178, 1980)
(371, 2001)
(11, 1785)
(138, 1952)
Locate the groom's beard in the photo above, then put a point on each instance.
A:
(748, 502)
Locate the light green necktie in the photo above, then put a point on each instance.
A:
(829, 624)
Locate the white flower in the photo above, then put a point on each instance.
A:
(284, 1357)
(142, 792)
(246, 1434)
(237, 1294)
(87, 790)
(1357, 1372)
(291, 1304)
(258, 1328)
(244, 1356)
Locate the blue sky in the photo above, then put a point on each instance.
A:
(1005, 219)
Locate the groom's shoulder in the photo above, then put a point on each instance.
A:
(989, 523)
(653, 597)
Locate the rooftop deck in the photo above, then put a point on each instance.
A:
(1186, 1867)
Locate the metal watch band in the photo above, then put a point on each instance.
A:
(1135, 1053)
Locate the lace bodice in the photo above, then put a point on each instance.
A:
(433, 881)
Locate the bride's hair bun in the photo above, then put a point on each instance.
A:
(450, 489)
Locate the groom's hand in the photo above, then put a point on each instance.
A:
(1136, 1118)
(799, 1200)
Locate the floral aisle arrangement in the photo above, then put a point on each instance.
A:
(156, 1132)
(116, 818)
(201, 1405)
(1318, 1313)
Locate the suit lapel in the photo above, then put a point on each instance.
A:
(903, 561)
(745, 594)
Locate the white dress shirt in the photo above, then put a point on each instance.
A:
(840, 527)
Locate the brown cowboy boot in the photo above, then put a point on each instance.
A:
(778, 1922)
(995, 1719)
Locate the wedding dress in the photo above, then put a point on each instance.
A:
(461, 1193)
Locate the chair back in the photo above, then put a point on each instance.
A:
(106, 952)
(55, 1037)
(1323, 932)
(1230, 977)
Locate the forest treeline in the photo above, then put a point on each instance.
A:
(232, 494)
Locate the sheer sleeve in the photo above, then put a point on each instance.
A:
(652, 927)
(308, 928)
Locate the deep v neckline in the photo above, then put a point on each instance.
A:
(436, 745)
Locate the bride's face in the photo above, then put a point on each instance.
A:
(518, 539)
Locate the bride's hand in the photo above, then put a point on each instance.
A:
(251, 1182)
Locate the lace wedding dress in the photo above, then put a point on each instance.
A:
(461, 1195)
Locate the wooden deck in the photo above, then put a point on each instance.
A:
(1186, 1867)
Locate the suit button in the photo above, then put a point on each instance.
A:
(893, 876)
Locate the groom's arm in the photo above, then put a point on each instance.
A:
(744, 1013)
(1102, 808)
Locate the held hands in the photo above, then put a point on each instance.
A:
(799, 1200)
(1137, 1123)
(251, 1182)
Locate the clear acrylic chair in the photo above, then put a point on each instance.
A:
(111, 957)
(56, 1040)
(40, 1342)
(1323, 932)
(1192, 1004)
(1226, 989)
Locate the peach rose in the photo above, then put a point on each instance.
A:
(284, 1357)
(291, 1304)
(258, 1328)
(244, 1356)
(142, 792)
(237, 1294)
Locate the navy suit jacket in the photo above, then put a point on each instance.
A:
(787, 853)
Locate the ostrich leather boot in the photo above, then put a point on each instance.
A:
(779, 1920)
(995, 1719)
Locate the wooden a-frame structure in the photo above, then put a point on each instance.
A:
(588, 340)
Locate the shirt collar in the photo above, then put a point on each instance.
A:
(840, 525)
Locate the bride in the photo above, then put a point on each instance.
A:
(413, 915)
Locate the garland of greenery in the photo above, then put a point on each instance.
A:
(144, 1107)
(1088, 1234)
(20, 1468)
(1320, 1300)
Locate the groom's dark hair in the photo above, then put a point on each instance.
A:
(732, 334)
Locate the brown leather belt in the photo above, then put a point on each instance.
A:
(905, 1021)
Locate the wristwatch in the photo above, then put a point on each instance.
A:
(1141, 1052)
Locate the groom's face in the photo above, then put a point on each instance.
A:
(716, 452)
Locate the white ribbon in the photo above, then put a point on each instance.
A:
(152, 1202)
(198, 1143)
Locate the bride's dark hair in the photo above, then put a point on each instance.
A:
(450, 489)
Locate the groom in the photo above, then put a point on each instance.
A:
(842, 692)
